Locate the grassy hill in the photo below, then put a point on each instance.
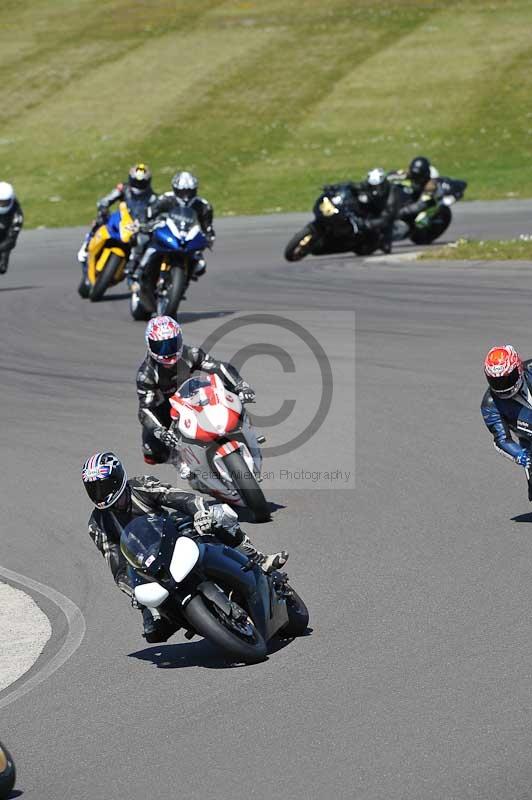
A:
(265, 100)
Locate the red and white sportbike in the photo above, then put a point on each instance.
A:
(218, 443)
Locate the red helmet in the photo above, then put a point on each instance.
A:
(164, 340)
(504, 371)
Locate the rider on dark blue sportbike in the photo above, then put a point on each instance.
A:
(507, 406)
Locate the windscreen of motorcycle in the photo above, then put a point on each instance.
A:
(140, 541)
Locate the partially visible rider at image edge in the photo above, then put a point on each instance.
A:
(138, 195)
(11, 221)
(169, 363)
(118, 500)
(184, 194)
(507, 405)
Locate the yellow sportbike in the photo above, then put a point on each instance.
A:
(109, 250)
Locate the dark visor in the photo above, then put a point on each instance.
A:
(139, 183)
(168, 347)
(99, 491)
(5, 203)
(505, 382)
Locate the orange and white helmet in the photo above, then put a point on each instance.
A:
(504, 371)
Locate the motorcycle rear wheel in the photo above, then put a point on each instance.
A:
(299, 245)
(175, 289)
(298, 616)
(438, 225)
(105, 278)
(208, 621)
(247, 486)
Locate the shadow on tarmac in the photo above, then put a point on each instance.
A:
(200, 654)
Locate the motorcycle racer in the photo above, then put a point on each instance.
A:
(507, 405)
(184, 194)
(138, 195)
(379, 202)
(11, 221)
(418, 183)
(117, 500)
(168, 363)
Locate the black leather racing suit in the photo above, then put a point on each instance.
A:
(156, 384)
(10, 225)
(510, 421)
(149, 495)
(168, 202)
(378, 213)
(415, 197)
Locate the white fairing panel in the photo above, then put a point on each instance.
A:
(186, 554)
(150, 594)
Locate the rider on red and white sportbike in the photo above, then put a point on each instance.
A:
(218, 443)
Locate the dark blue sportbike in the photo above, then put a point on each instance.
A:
(176, 243)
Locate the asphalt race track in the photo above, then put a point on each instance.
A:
(416, 679)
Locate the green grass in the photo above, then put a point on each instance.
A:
(265, 100)
(482, 250)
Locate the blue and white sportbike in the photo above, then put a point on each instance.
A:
(174, 249)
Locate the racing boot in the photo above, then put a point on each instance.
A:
(155, 629)
(200, 267)
(268, 563)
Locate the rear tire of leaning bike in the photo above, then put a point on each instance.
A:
(250, 650)
(247, 486)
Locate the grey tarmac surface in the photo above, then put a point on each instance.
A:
(416, 681)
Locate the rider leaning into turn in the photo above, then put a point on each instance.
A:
(118, 500)
(11, 221)
(169, 363)
(379, 203)
(418, 185)
(138, 195)
(507, 405)
(184, 194)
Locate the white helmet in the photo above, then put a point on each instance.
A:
(7, 197)
(185, 186)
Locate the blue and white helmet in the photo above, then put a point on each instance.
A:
(104, 478)
(185, 187)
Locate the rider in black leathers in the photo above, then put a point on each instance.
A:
(417, 186)
(157, 382)
(184, 194)
(11, 222)
(378, 202)
(119, 500)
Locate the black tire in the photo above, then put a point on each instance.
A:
(84, 288)
(297, 616)
(294, 250)
(438, 225)
(207, 623)
(176, 287)
(247, 486)
(105, 278)
(137, 308)
(7, 773)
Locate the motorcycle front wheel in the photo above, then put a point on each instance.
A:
(299, 245)
(247, 486)
(175, 286)
(239, 638)
(105, 278)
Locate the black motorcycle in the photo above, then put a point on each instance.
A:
(206, 588)
(336, 228)
(428, 225)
